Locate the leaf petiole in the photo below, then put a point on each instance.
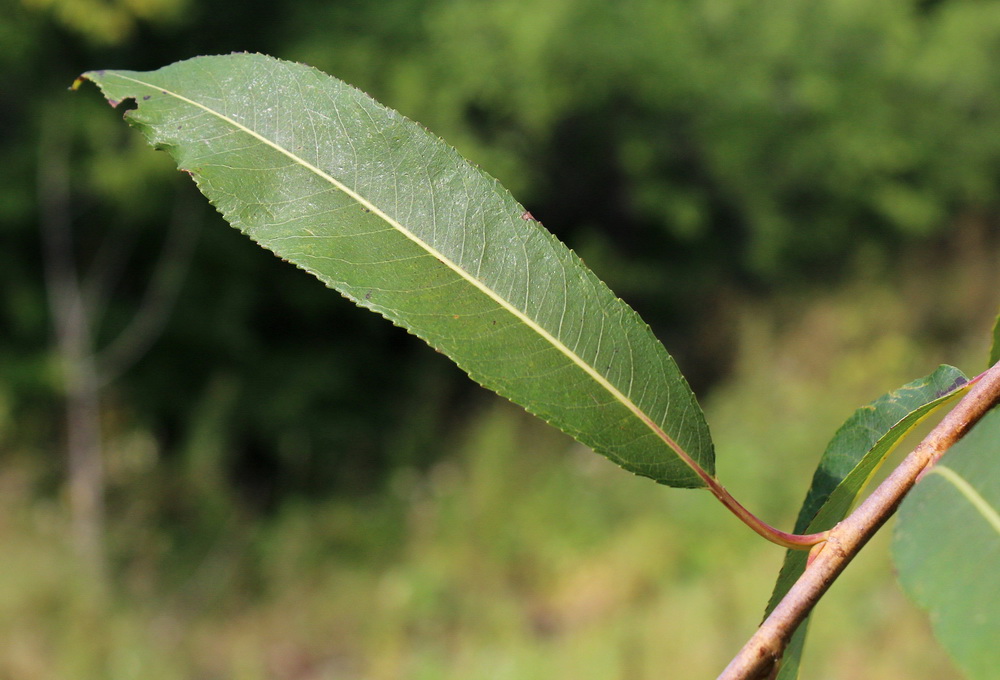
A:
(782, 538)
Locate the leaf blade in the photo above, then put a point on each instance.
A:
(946, 547)
(852, 457)
(861, 445)
(428, 241)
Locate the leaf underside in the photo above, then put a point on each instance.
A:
(395, 220)
(946, 548)
(851, 458)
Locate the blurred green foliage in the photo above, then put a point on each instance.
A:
(687, 149)
(521, 555)
(696, 153)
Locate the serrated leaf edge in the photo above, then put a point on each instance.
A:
(502, 302)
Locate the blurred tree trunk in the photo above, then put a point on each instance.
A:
(76, 303)
(74, 348)
(84, 445)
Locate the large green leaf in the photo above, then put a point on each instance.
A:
(851, 459)
(947, 549)
(381, 210)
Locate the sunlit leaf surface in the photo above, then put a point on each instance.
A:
(381, 210)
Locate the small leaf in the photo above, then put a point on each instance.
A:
(384, 212)
(851, 458)
(862, 443)
(947, 549)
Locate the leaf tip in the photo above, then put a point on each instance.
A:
(94, 77)
(89, 75)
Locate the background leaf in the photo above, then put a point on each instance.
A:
(947, 548)
(376, 207)
(851, 458)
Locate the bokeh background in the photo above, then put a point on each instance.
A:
(213, 467)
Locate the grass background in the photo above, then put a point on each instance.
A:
(522, 555)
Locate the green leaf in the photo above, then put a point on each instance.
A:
(381, 210)
(851, 458)
(947, 549)
(995, 347)
(862, 443)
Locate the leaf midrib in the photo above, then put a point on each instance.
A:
(489, 292)
(969, 493)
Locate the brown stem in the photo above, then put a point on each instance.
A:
(760, 656)
(784, 539)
